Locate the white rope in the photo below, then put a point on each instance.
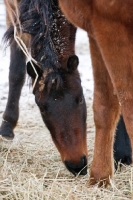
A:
(27, 54)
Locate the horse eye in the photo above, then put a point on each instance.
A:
(43, 108)
(81, 100)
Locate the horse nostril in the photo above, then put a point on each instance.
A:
(81, 166)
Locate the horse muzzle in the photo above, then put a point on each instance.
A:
(77, 168)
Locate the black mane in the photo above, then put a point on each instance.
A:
(50, 34)
(36, 18)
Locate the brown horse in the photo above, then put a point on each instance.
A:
(50, 39)
(58, 92)
(109, 24)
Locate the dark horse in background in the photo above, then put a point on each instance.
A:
(109, 24)
(50, 39)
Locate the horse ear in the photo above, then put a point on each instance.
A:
(72, 63)
(31, 71)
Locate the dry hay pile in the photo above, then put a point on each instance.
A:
(31, 168)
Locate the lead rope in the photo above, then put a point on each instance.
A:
(27, 54)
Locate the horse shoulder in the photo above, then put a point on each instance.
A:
(77, 12)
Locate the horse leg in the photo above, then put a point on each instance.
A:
(122, 145)
(17, 73)
(115, 43)
(106, 114)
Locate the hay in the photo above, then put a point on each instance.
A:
(31, 168)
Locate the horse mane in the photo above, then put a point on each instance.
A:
(46, 24)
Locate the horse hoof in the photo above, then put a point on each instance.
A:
(127, 160)
(8, 137)
(100, 183)
(6, 132)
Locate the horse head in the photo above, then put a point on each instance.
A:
(63, 109)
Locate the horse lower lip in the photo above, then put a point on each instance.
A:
(74, 173)
(83, 172)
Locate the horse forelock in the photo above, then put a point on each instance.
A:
(49, 80)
